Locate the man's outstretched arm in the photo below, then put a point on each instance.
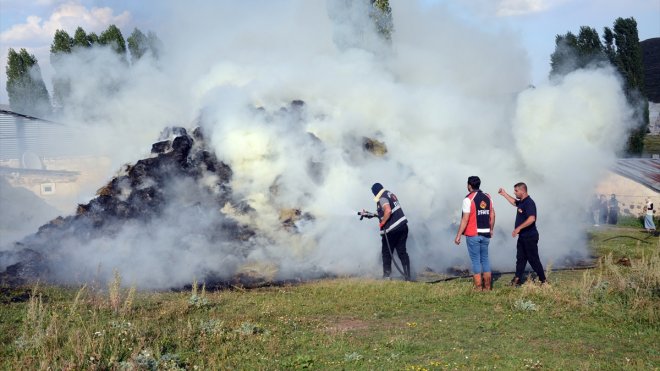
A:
(508, 197)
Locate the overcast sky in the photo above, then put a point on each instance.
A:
(32, 24)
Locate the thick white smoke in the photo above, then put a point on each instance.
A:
(449, 100)
(22, 214)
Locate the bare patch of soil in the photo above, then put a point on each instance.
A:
(343, 325)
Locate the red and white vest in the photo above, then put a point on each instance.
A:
(481, 207)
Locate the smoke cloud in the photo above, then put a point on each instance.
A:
(22, 212)
(448, 99)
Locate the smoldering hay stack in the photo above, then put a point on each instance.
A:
(272, 192)
(182, 182)
(174, 217)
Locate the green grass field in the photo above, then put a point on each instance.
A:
(602, 318)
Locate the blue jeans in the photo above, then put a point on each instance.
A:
(478, 250)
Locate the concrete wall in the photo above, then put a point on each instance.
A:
(65, 195)
(631, 195)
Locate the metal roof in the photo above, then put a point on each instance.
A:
(21, 134)
(43, 175)
(645, 171)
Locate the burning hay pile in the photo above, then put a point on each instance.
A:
(183, 184)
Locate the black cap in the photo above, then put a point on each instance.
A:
(376, 188)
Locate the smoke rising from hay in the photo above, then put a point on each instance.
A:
(447, 99)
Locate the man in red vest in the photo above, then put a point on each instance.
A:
(477, 225)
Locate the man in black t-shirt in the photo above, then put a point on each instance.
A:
(528, 236)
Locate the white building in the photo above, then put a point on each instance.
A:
(632, 180)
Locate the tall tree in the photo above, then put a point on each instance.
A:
(621, 48)
(629, 52)
(62, 45)
(381, 14)
(25, 86)
(574, 52)
(155, 45)
(137, 45)
(564, 59)
(589, 47)
(113, 37)
(82, 40)
(610, 51)
(93, 38)
(628, 60)
(140, 44)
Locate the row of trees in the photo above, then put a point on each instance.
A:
(620, 48)
(137, 43)
(27, 91)
(25, 86)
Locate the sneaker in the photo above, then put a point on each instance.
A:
(515, 282)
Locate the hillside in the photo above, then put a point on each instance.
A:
(651, 59)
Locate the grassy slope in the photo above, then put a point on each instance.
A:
(583, 321)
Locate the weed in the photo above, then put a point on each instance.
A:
(614, 286)
(248, 328)
(33, 327)
(533, 364)
(114, 292)
(35, 310)
(198, 301)
(76, 301)
(524, 305)
(548, 271)
(211, 326)
(170, 361)
(301, 362)
(146, 360)
(128, 303)
(353, 357)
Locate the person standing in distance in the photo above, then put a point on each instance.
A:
(595, 210)
(649, 225)
(527, 249)
(393, 229)
(477, 225)
(603, 209)
(613, 205)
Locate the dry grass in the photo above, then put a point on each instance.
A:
(606, 317)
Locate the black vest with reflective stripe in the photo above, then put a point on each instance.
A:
(482, 209)
(397, 218)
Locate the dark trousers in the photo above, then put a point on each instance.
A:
(613, 217)
(527, 250)
(397, 239)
